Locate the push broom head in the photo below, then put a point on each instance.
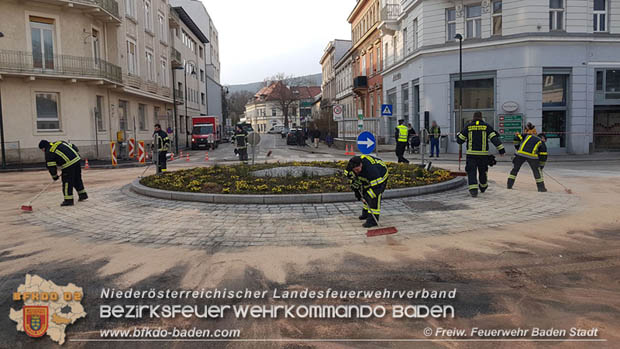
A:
(381, 231)
(26, 208)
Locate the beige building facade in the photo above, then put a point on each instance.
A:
(96, 72)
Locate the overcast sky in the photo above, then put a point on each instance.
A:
(261, 38)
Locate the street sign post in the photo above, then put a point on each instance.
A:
(366, 142)
(338, 112)
(253, 140)
(508, 125)
(386, 110)
(360, 119)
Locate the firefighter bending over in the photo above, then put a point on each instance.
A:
(477, 134)
(368, 177)
(65, 156)
(530, 149)
(162, 144)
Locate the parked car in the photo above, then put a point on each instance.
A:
(291, 137)
(276, 129)
(284, 132)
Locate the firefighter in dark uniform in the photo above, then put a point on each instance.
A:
(162, 144)
(477, 134)
(530, 149)
(402, 138)
(64, 155)
(368, 177)
(241, 141)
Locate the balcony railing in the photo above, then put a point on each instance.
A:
(58, 65)
(178, 95)
(390, 12)
(109, 7)
(360, 83)
(175, 56)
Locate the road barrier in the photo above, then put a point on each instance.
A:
(113, 153)
(132, 147)
(141, 152)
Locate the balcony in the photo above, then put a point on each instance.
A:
(360, 84)
(105, 10)
(178, 95)
(152, 87)
(58, 66)
(175, 57)
(133, 81)
(389, 18)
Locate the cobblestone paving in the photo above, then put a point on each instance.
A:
(117, 214)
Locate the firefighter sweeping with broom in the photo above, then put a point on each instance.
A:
(65, 156)
(530, 149)
(368, 177)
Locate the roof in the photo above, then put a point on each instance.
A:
(306, 92)
(191, 24)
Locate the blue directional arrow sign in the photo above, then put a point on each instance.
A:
(386, 110)
(366, 142)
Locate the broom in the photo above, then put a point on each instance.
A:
(28, 206)
(567, 190)
(378, 231)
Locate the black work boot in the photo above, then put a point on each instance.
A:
(541, 187)
(83, 197)
(370, 222)
(473, 192)
(364, 215)
(483, 189)
(67, 203)
(510, 183)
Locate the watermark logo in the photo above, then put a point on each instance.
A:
(36, 318)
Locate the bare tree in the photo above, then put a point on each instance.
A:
(236, 102)
(282, 93)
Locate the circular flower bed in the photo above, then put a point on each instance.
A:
(237, 179)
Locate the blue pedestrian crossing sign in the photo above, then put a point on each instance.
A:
(386, 110)
(366, 142)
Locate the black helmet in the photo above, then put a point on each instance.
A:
(354, 162)
(44, 144)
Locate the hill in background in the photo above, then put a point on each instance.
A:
(308, 80)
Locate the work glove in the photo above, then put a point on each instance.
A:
(55, 178)
(356, 185)
(358, 196)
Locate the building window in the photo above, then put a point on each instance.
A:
(200, 51)
(497, 18)
(608, 83)
(372, 63)
(132, 59)
(394, 50)
(123, 110)
(202, 75)
(405, 48)
(164, 72)
(150, 66)
(554, 98)
(148, 18)
(130, 8)
(99, 114)
(142, 117)
(163, 32)
(96, 47)
(42, 37)
(273, 112)
(600, 15)
(478, 95)
(202, 98)
(47, 111)
(384, 53)
(379, 57)
(416, 38)
(473, 22)
(363, 63)
(556, 14)
(155, 114)
(451, 24)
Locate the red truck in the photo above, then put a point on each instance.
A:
(205, 132)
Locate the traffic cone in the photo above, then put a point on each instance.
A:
(187, 158)
(346, 149)
(86, 165)
(207, 156)
(171, 156)
(181, 154)
(352, 153)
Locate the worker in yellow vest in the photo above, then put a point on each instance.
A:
(402, 137)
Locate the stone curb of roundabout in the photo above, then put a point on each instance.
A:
(289, 198)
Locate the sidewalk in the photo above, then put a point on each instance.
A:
(386, 152)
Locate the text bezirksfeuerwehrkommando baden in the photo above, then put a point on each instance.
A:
(216, 293)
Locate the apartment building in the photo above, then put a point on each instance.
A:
(189, 77)
(554, 63)
(347, 124)
(332, 54)
(90, 72)
(367, 63)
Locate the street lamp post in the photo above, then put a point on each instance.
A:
(174, 101)
(186, 116)
(459, 37)
(2, 128)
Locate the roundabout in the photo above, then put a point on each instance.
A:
(117, 214)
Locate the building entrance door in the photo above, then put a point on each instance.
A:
(607, 128)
